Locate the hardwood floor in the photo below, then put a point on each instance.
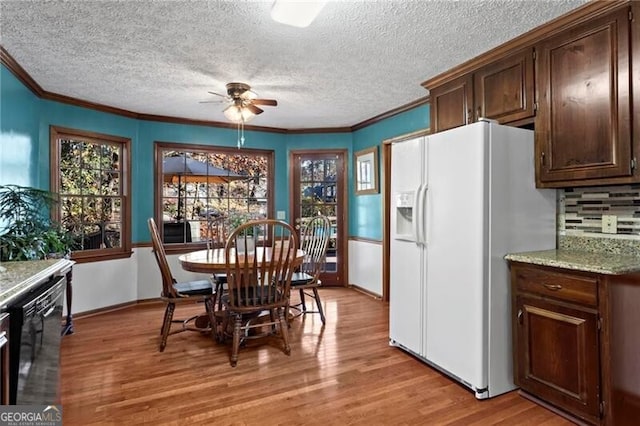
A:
(112, 373)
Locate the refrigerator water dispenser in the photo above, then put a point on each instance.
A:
(404, 216)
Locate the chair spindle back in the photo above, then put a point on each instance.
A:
(161, 258)
(314, 240)
(261, 256)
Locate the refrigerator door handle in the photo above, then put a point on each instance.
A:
(423, 214)
(422, 192)
(415, 219)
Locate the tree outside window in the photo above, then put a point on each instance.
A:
(201, 184)
(90, 174)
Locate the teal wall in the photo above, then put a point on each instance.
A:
(24, 149)
(19, 116)
(365, 211)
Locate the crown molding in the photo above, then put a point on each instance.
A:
(220, 124)
(391, 113)
(316, 130)
(7, 60)
(89, 105)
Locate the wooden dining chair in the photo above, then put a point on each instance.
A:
(260, 258)
(314, 241)
(174, 292)
(218, 233)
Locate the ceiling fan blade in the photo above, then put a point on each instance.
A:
(212, 102)
(268, 102)
(218, 94)
(254, 109)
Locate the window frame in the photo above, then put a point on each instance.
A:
(93, 255)
(160, 146)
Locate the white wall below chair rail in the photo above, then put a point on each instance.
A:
(365, 265)
(98, 285)
(149, 280)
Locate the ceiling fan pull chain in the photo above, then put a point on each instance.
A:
(238, 135)
(242, 134)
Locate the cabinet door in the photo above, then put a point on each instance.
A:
(583, 128)
(504, 89)
(557, 355)
(451, 104)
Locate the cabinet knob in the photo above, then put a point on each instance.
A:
(519, 316)
(542, 158)
(469, 116)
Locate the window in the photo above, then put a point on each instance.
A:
(90, 172)
(196, 184)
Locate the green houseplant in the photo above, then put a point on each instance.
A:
(26, 229)
(238, 218)
(245, 241)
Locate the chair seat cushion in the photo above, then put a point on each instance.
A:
(194, 287)
(300, 278)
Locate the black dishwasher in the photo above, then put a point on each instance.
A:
(34, 367)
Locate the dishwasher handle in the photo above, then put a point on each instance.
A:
(52, 308)
(46, 302)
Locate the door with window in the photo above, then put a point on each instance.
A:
(318, 186)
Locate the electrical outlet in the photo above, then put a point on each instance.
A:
(609, 224)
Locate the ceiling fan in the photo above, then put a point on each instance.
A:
(243, 102)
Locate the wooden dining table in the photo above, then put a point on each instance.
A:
(211, 261)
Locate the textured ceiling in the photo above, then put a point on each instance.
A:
(355, 61)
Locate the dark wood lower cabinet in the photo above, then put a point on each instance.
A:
(576, 342)
(622, 350)
(4, 358)
(558, 355)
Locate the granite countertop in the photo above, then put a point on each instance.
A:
(19, 277)
(601, 263)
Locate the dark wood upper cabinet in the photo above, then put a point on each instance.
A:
(504, 89)
(583, 124)
(452, 104)
(501, 90)
(574, 79)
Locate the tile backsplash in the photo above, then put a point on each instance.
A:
(580, 211)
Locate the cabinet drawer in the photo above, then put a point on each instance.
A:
(569, 287)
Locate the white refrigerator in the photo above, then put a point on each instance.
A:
(461, 200)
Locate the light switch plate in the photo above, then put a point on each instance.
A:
(609, 224)
(280, 215)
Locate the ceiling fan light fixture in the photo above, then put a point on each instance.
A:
(238, 114)
(296, 13)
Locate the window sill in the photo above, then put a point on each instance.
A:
(88, 257)
(183, 248)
